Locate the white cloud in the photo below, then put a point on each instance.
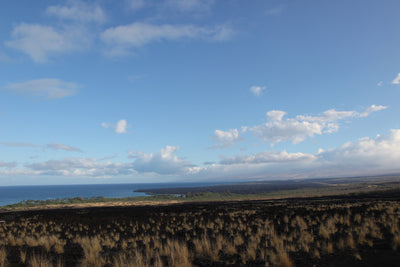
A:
(275, 115)
(57, 146)
(371, 109)
(277, 129)
(78, 11)
(163, 162)
(227, 138)
(44, 88)
(257, 90)
(396, 80)
(380, 83)
(122, 38)
(375, 154)
(79, 167)
(119, 127)
(366, 156)
(267, 157)
(39, 42)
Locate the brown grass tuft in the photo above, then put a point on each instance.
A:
(91, 249)
(39, 261)
(3, 257)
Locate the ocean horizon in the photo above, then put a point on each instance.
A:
(15, 194)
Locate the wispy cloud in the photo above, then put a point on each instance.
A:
(44, 88)
(56, 146)
(113, 156)
(79, 167)
(18, 144)
(371, 109)
(190, 5)
(8, 165)
(267, 157)
(121, 39)
(40, 42)
(78, 11)
(119, 127)
(136, 4)
(275, 10)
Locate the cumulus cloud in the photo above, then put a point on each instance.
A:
(163, 162)
(381, 152)
(365, 156)
(119, 127)
(79, 167)
(226, 139)
(57, 146)
(396, 80)
(44, 88)
(267, 157)
(278, 129)
(78, 11)
(39, 42)
(121, 39)
(257, 90)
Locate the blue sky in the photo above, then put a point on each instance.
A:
(197, 90)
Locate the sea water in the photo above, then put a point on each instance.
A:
(15, 194)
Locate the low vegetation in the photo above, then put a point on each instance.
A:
(304, 232)
(303, 188)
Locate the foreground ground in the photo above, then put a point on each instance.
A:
(356, 230)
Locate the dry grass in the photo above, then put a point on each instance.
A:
(91, 249)
(39, 260)
(244, 236)
(3, 257)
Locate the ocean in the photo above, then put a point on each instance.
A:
(15, 194)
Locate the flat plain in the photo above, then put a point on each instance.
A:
(349, 229)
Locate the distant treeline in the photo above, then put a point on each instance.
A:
(265, 187)
(239, 188)
(31, 203)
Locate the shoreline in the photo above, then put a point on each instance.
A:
(391, 194)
